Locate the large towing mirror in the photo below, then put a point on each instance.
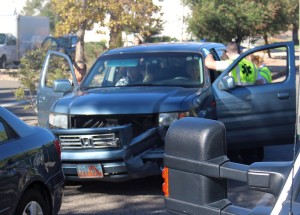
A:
(197, 169)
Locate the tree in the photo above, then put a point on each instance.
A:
(33, 7)
(126, 15)
(77, 16)
(227, 19)
(29, 74)
(223, 20)
(292, 11)
(274, 19)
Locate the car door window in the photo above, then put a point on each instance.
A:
(270, 66)
(3, 134)
(58, 69)
(11, 40)
(74, 41)
(6, 132)
(50, 43)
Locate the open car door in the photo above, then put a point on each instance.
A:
(197, 169)
(57, 78)
(259, 115)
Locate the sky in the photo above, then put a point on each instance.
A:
(8, 6)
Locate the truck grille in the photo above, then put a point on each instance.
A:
(96, 141)
(140, 123)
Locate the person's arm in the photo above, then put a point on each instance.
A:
(210, 62)
(217, 65)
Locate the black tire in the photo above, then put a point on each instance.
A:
(33, 199)
(3, 62)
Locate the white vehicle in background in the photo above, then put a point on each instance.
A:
(19, 34)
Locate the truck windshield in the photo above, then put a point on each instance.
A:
(2, 38)
(149, 69)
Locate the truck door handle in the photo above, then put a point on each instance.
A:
(283, 95)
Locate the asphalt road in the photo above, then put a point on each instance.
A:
(138, 197)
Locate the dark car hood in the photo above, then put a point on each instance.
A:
(127, 100)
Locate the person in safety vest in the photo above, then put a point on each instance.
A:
(264, 74)
(245, 73)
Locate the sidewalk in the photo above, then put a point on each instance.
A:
(4, 74)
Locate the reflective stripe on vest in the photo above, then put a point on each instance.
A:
(265, 72)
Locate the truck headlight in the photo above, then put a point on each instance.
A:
(58, 120)
(166, 119)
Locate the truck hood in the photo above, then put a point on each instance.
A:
(126, 100)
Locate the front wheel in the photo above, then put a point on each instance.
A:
(33, 203)
(3, 62)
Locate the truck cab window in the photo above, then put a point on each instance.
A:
(3, 134)
(262, 67)
(58, 69)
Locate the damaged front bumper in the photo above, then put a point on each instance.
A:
(127, 158)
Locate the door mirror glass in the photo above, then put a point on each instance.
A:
(227, 83)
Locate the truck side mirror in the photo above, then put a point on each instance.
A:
(62, 85)
(226, 83)
(189, 142)
(197, 169)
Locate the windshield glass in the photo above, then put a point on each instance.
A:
(64, 41)
(2, 38)
(158, 69)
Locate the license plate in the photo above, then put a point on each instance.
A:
(89, 171)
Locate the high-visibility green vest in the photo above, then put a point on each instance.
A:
(245, 73)
(265, 72)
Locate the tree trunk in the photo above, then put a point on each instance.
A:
(115, 35)
(295, 34)
(267, 43)
(80, 44)
(115, 39)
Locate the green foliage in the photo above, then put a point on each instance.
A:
(93, 51)
(29, 75)
(126, 15)
(32, 7)
(159, 39)
(224, 20)
(31, 65)
(78, 16)
(3, 136)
